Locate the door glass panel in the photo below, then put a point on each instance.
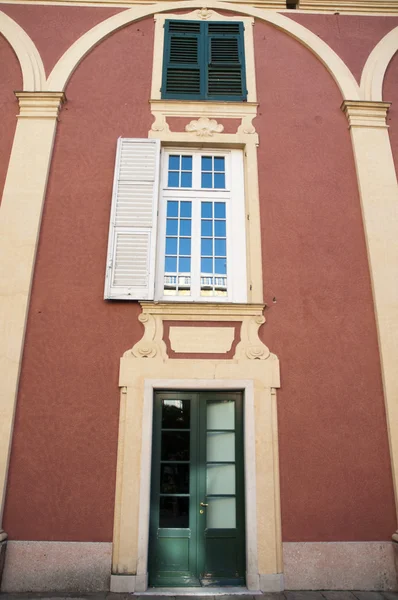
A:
(221, 513)
(175, 445)
(221, 414)
(220, 479)
(174, 512)
(176, 414)
(174, 479)
(220, 446)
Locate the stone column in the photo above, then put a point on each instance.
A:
(20, 217)
(378, 190)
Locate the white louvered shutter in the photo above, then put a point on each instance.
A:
(130, 273)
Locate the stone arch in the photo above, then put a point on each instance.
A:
(33, 73)
(64, 68)
(376, 66)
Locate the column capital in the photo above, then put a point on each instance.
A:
(363, 113)
(39, 105)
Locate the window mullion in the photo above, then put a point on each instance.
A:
(196, 249)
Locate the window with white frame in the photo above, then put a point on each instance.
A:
(177, 224)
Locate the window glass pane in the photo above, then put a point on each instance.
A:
(220, 479)
(207, 228)
(184, 265)
(174, 162)
(170, 264)
(207, 210)
(185, 209)
(186, 180)
(176, 414)
(219, 181)
(172, 208)
(174, 479)
(219, 228)
(185, 246)
(207, 247)
(206, 180)
(207, 163)
(220, 266)
(186, 163)
(220, 247)
(221, 513)
(175, 445)
(207, 265)
(174, 512)
(171, 245)
(171, 227)
(173, 180)
(185, 227)
(220, 414)
(220, 446)
(219, 210)
(219, 163)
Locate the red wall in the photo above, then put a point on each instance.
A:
(10, 81)
(335, 470)
(62, 471)
(352, 37)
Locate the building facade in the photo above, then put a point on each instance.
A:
(226, 411)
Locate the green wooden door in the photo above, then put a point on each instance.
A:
(197, 535)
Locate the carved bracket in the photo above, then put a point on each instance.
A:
(151, 344)
(250, 345)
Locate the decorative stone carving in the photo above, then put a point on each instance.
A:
(205, 127)
(250, 345)
(160, 123)
(246, 125)
(151, 343)
(204, 13)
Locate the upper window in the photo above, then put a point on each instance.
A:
(204, 61)
(177, 224)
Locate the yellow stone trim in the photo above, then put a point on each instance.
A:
(63, 70)
(43, 105)
(33, 73)
(246, 138)
(356, 7)
(378, 188)
(376, 66)
(380, 7)
(366, 114)
(204, 14)
(20, 218)
(253, 369)
(202, 340)
(161, 109)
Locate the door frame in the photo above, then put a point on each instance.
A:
(245, 386)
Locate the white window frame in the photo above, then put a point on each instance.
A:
(233, 195)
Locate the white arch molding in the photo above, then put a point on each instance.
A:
(33, 74)
(376, 66)
(66, 65)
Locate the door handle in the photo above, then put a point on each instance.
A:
(203, 504)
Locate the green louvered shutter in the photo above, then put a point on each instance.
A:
(182, 72)
(225, 62)
(204, 61)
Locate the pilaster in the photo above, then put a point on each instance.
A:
(20, 218)
(378, 189)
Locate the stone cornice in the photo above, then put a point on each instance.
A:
(39, 105)
(364, 7)
(361, 113)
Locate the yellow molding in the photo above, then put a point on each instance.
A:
(44, 105)
(33, 73)
(358, 7)
(376, 66)
(378, 189)
(63, 70)
(366, 114)
(351, 6)
(202, 312)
